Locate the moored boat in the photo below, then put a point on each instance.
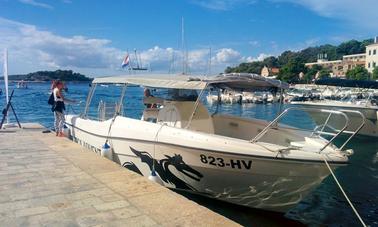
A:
(249, 162)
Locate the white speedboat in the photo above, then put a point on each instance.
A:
(370, 112)
(22, 85)
(248, 162)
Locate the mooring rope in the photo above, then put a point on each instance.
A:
(156, 140)
(345, 195)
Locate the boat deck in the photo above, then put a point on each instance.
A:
(50, 181)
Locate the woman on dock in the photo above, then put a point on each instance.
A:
(58, 107)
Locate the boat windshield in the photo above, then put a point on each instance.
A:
(175, 94)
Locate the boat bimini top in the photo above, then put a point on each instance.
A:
(234, 81)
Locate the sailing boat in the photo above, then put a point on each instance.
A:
(138, 62)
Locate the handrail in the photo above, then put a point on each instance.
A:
(341, 112)
(338, 133)
(359, 127)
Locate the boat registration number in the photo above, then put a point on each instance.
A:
(231, 163)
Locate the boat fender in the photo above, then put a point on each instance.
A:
(106, 151)
(155, 178)
(66, 130)
(349, 152)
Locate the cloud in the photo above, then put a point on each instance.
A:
(260, 57)
(311, 42)
(254, 43)
(38, 48)
(32, 49)
(198, 60)
(222, 5)
(358, 13)
(227, 55)
(35, 3)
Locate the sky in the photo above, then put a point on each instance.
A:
(93, 36)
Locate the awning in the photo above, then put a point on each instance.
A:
(235, 81)
(246, 82)
(156, 81)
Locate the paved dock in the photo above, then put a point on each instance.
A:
(50, 181)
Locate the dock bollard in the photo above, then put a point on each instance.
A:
(106, 151)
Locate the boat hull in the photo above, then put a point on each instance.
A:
(260, 182)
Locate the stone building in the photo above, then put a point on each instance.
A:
(339, 68)
(265, 71)
(372, 55)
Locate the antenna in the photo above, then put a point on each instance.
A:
(183, 48)
(209, 70)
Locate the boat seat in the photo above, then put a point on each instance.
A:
(150, 114)
(153, 100)
(177, 114)
(298, 143)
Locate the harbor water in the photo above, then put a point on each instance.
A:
(324, 206)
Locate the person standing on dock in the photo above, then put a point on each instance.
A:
(58, 107)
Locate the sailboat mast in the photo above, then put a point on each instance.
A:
(183, 48)
(6, 77)
(209, 61)
(136, 59)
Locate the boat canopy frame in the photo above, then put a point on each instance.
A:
(234, 81)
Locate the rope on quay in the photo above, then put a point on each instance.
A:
(345, 195)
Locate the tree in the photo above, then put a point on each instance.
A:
(350, 47)
(271, 62)
(250, 67)
(358, 73)
(374, 75)
(64, 75)
(324, 73)
(310, 75)
(290, 71)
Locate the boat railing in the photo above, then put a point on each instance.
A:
(107, 110)
(352, 133)
(319, 130)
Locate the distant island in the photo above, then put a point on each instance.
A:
(63, 75)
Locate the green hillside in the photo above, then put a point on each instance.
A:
(291, 63)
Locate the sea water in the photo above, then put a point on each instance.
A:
(324, 206)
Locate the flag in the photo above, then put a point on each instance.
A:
(125, 61)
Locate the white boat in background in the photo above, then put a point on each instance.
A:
(368, 108)
(22, 85)
(249, 162)
(357, 96)
(235, 97)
